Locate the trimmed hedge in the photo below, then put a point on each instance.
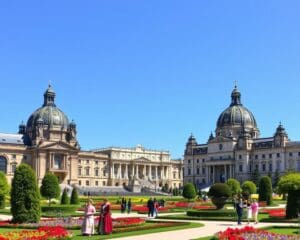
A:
(62, 208)
(213, 213)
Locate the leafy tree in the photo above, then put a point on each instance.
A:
(219, 193)
(4, 189)
(255, 177)
(290, 184)
(65, 198)
(74, 196)
(276, 178)
(50, 187)
(248, 188)
(265, 190)
(189, 191)
(234, 186)
(25, 197)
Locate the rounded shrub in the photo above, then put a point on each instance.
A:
(290, 184)
(65, 198)
(234, 186)
(25, 197)
(50, 187)
(219, 193)
(74, 196)
(189, 191)
(4, 189)
(248, 188)
(265, 190)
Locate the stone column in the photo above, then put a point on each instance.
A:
(150, 172)
(156, 175)
(137, 171)
(113, 171)
(162, 172)
(119, 171)
(132, 170)
(126, 171)
(144, 171)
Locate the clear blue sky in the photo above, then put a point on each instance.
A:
(150, 72)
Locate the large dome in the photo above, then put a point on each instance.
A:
(48, 114)
(236, 118)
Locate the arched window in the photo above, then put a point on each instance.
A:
(3, 164)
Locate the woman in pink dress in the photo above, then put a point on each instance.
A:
(254, 208)
(88, 225)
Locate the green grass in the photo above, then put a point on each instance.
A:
(77, 233)
(283, 230)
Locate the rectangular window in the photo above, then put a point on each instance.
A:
(87, 183)
(198, 171)
(87, 171)
(189, 161)
(278, 154)
(14, 156)
(58, 161)
(79, 183)
(263, 167)
(96, 162)
(298, 153)
(203, 171)
(96, 183)
(79, 172)
(240, 156)
(103, 183)
(250, 168)
(263, 156)
(25, 157)
(290, 154)
(189, 171)
(13, 168)
(270, 155)
(256, 156)
(197, 160)
(240, 168)
(203, 160)
(270, 167)
(79, 161)
(174, 175)
(87, 161)
(96, 172)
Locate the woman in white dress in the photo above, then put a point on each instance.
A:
(88, 225)
(249, 211)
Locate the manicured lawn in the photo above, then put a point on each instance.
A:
(283, 230)
(77, 233)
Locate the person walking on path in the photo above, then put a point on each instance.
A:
(155, 207)
(150, 205)
(129, 206)
(254, 208)
(249, 211)
(88, 224)
(123, 205)
(105, 220)
(239, 209)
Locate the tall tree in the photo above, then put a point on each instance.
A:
(265, 190)
(50, 187)
(4, 189)
(65, 198)
(74, 196)
(25, 197)
(255, 177)
(189, 191)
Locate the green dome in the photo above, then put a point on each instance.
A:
(48, 114)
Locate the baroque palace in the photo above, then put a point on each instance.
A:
(237, 150)
(48, 142)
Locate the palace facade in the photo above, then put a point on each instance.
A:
(48, 143)
(237, 150)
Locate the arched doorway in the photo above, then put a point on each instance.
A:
(3, 164)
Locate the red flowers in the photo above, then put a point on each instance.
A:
(42, 233)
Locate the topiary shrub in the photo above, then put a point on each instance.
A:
(290, 184)
(189, 191)
(265, 190)
(219, 193)
(50, 187)
(74, 196)
(25, 197)
(234, 186)
(4, 189)
(65, 198)
(248, 188)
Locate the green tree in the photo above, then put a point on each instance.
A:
(265, 190)
(65, 198)
(290, 184)
(248, 188)
(234, 186)
(50, 187)
(276, 178)
(74, 196)
(25, 197)
(255, 177)
(189, 191)
(4, 189)
(219, 193)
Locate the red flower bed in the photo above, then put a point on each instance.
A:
(262, 204)
(251, 233)
(42, 233)
(204, 207)
(182, 204)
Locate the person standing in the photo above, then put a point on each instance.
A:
(88, 224)
(123, 205)
(254, 208)
(155, 207)
(105, 220)
(129, 206)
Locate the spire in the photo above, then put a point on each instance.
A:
(211, 136)
(49, 96)
(22, 128)
(235, 96)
